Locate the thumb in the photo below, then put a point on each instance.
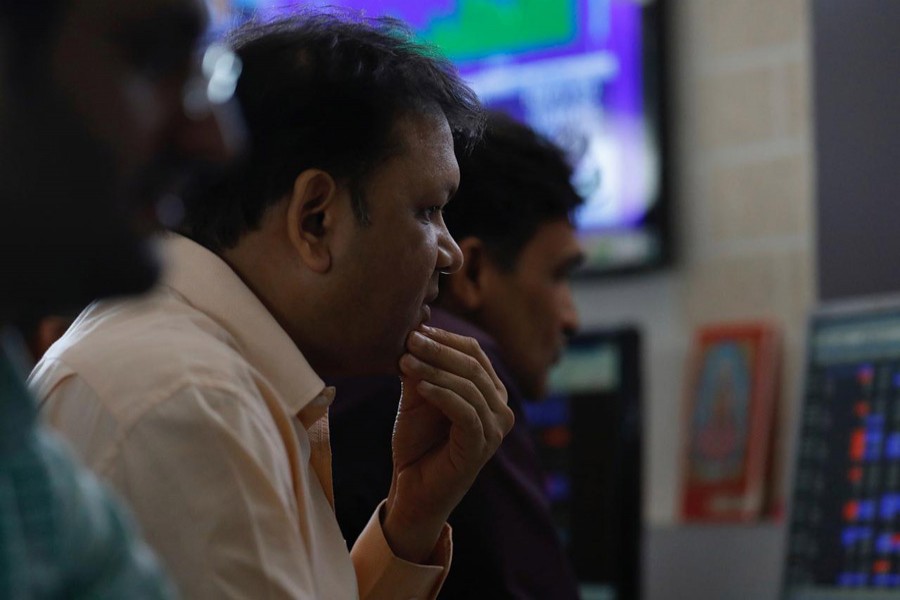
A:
(409, 396)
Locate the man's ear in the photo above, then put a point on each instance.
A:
(466, 287)
(310, 218)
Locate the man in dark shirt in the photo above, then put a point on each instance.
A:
(511, 218)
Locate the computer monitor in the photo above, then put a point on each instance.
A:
(844, 533)
(588, 437)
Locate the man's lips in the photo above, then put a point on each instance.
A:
(430, 297)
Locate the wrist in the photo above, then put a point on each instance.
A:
(411, 536)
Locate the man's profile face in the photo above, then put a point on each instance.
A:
(529, 311)
(393, 263)
(101, 108)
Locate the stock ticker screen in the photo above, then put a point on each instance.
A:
(844, 539)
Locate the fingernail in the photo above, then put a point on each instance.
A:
(417, 339)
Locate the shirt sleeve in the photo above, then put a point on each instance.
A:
(382, 575)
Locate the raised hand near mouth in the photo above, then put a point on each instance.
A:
(452, 418)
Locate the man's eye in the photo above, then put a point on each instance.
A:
(432, 211)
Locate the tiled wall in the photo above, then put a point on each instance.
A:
(742, 182)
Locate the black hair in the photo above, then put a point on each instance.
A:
(512, 182)
(324, 90)
(25, 32)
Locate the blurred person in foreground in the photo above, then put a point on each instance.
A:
(91, 110)
(510, 217)
(203, 404)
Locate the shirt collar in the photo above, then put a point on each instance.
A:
(211, 286)
(317, 407)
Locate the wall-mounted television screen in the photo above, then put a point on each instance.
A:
(587, 74)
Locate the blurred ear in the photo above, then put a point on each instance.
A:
(466, 287)
(311, 217)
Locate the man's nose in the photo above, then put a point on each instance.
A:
(450, 257)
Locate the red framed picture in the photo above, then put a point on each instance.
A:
(732, 389)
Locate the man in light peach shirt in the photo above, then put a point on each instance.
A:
(203, 404)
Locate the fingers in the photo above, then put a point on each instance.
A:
(449, 387)
(458, 364)
(461, 356)
(462, 414)
(465, 345)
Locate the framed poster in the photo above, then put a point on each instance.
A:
(733, 383)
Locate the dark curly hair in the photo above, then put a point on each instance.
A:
(25, 31)
(324, 90)
(512, 182)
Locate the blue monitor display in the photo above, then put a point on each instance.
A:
(844, 540)
(585, 73)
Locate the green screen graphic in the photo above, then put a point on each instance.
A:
(482, 28)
